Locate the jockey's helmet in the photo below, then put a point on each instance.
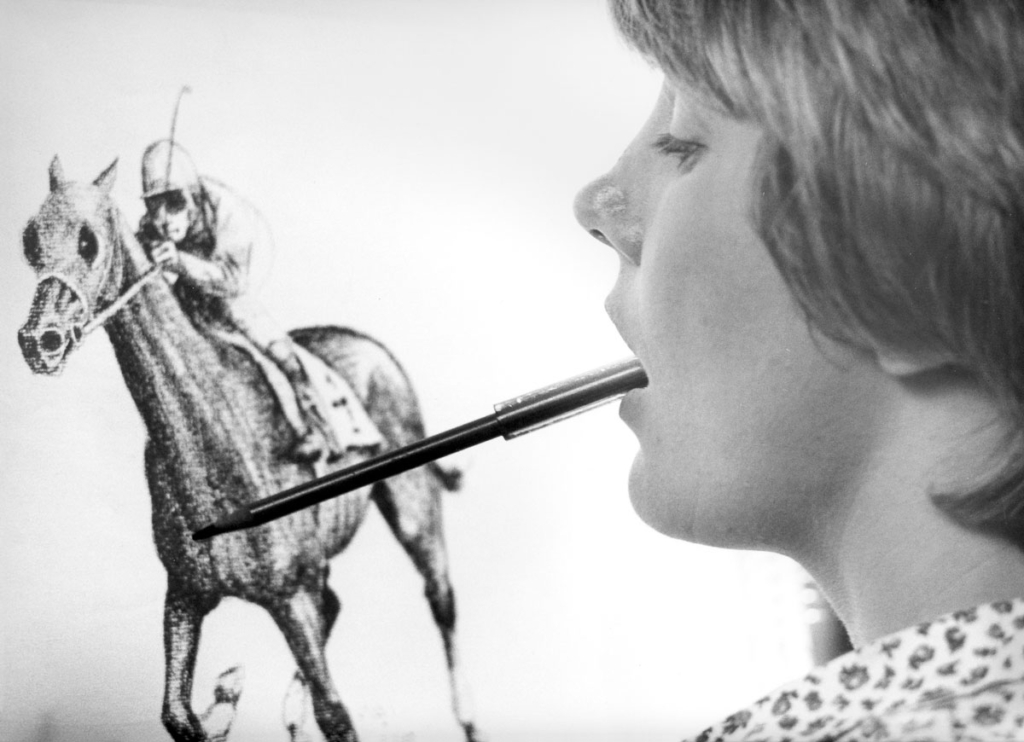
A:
(166, 166)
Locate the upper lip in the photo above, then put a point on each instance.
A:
(611, 309)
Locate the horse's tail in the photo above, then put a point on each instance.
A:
(449, 477)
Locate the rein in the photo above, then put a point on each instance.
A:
(122, 301)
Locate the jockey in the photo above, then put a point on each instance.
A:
(206, 235)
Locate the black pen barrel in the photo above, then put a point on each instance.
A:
(375, 469)
(510, 419)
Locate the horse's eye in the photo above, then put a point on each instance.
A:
(30, 241)
(87, 245)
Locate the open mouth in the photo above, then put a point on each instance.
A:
(629, 407)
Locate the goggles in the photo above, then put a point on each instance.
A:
(173, 201)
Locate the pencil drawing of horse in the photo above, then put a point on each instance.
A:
(216, 437)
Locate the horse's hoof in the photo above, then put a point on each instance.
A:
(229, 685)
(219, 717)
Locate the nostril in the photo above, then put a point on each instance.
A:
(51, 341)
(76, 333)
(598, 235)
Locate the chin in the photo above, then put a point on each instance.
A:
(658, 505)
(710, 511)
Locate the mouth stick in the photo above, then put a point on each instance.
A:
(510, 419)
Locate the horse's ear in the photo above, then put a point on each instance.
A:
(105, 180)
(56, 174)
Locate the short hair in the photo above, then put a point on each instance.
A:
(891, 178)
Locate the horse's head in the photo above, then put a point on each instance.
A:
(72, 245)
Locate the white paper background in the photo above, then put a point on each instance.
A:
(417, 162)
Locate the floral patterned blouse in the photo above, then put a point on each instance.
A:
(959, 678)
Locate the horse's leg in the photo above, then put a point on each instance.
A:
(295, 711)
(183, 620)
(411, 505)
(297, 701)
(302, 619)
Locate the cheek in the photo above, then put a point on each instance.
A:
(746, 421)
(706, 277)
(177, 221)
(737, 455)
(716, 318)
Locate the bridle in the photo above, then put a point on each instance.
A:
(71, 284)
(94, 322)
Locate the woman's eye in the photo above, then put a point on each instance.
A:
(684, 150)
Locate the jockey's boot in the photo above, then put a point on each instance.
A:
(308, 446)
(315, 438)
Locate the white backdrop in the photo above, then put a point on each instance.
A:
(417, 162)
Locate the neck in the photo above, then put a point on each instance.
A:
(175, 376)
(890, 558)
(142, 332)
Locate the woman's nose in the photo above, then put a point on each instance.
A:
(603, 209)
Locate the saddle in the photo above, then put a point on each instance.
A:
(341, 409)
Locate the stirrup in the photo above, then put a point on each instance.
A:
(308, 448)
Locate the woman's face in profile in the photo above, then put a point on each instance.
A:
(749, 427)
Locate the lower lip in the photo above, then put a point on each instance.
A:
(629, 407)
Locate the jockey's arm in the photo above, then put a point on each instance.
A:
(223, 276)
(224, 270)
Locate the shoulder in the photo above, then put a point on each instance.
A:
(956, 678)
(218, 194)
(225, 204)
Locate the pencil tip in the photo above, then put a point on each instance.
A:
(205, 532)
(234, 521)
